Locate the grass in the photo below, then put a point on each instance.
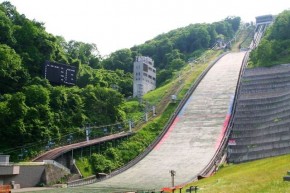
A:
(156, 95)
(244, 38)
(84, 166)
(261, 176)
(152, 129)
(192, 74)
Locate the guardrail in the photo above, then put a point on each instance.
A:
(82, 182)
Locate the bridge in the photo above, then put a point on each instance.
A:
(55, 153)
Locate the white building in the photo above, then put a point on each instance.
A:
(144, 76)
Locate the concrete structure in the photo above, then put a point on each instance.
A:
(264, 19)
(6, 169)
(4, 159)
(30, 174)
(261, 122)
(144, 76)
(194, 136)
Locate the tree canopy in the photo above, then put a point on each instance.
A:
(32, 109)
(274, 48)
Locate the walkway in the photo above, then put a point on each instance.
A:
(54, 153)
(194, 136)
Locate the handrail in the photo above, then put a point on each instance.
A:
(82, 182)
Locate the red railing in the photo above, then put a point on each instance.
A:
(5, 189)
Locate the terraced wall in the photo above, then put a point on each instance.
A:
(262, 120)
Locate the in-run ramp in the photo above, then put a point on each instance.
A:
(194, 136)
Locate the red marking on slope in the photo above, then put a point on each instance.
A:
(225, 125)
(167, 133)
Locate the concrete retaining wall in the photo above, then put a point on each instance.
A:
(28, 176)
(262, 120)
(34, 175)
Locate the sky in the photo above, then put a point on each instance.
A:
(118, 24)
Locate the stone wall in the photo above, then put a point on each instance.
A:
(35, 175)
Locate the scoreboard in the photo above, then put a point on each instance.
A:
(59, 73)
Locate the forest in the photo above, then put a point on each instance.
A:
(274, 48)
(33, 110)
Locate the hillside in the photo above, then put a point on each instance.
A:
(34, 111)
(275, 46)
(262, 176)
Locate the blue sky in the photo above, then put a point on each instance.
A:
(117, 24)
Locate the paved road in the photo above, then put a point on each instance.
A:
(193, 139)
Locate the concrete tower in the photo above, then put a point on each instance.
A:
(144, 76)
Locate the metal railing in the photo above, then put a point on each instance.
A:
(82, 182)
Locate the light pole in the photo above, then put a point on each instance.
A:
(87, 132)
(173, 173)
(154, 111)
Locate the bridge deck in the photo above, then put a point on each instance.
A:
(194, 136)
(54, 153)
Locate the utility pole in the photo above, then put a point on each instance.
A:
(87, 132)
(130, 126)
(154, 111)
(173, 173)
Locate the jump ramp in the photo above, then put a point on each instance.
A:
(194, 136)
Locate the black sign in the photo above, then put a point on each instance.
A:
(59, 73)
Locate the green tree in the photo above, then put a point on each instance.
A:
(6, 29)
(12, 74)
(121, 59)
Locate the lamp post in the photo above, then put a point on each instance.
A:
(87, 128)
(173, 173)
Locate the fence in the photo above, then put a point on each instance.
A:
(82, 182)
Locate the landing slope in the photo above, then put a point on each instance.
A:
(194, 136)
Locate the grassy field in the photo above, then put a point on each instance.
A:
(262, 176)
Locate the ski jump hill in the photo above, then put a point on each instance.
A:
(194, 137)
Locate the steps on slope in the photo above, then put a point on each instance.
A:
(262, 120)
